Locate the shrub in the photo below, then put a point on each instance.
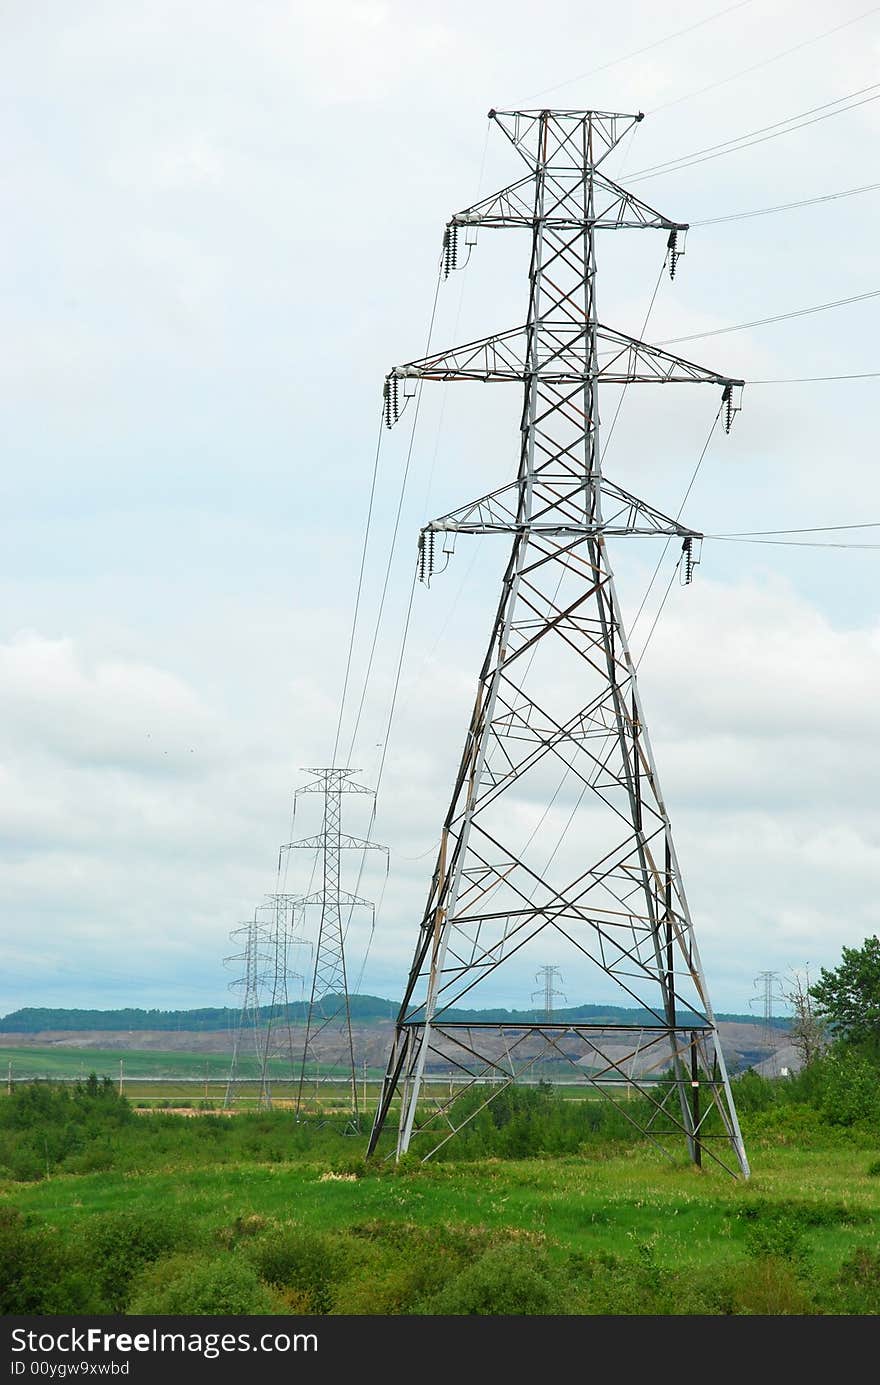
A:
(304, 1261)
(37, 1275)
(509, 1280)
(197, 1285)
(858, 1283)
(849, 1091)
(119, 1244)
(768, 1287)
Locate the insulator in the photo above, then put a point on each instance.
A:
(727, 401)
(731, 401)
(670, 246)
(687, 549)
(395, 407)
(421, 559)
(450, 250)
(386, 394)
(430, 552)
(447, 252)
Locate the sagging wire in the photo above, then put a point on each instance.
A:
(760, 136)
(359, 590)
(690, 486)
(470, 239)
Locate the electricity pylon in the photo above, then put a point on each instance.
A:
(769, 982)
(276, 1040)
(547, 974)
(251, 984)
(329, 1009)
(557, 698)
(548, 992)
(264, 1018)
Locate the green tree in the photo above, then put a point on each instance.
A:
(849, 996)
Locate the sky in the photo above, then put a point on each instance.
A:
(222, 226)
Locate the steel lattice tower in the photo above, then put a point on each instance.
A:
(557, 691)
(280, 938)
(256, 960)
(329, 1002)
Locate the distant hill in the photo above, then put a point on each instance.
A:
(364, 1009)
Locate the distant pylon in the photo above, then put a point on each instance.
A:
(547, 975)
(558, 722)
(548, 993)
(277, 1046)
(329, 1007)
(768, 983)
(250, 983)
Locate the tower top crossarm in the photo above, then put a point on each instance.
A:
(566, 147)
(563, 138)
(331, 777)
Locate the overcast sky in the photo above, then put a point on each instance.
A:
(222, 225)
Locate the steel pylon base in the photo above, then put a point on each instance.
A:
(468, 1064)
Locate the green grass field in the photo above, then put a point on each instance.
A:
(126, 1211)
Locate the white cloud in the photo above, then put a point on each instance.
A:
(224, 226)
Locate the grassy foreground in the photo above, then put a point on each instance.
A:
(253, 1215)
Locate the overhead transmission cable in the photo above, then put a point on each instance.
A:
(637, 52)
(408, 617)
(778, 317)
(359, 587)
(792, 543)
(816, 529)
(817, 379)
(684, 500)
(785, 206)
(765, 62)
(761, 135)
(393, 544)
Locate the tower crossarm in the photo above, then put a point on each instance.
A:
(558, 356)
(336, 779)
(499, 511)
(615, 209)
(343, 898)
(563, 141)
(343, 841)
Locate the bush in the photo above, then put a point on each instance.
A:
(37, 1275)
(849, 1092)
(509, 1280)
(769, 1287)
(858, 1283)
(301, 1260)
(186, 1284)
(119, 1244)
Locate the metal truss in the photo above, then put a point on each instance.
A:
(329, 1012)
(255, 958)
(264, 1021)
(558, 718)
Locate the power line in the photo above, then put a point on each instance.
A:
(765, 62)
(779, 317)
(817, 379)
(818, 529)
(360, 583)
(637, 52)
(759, 136)
(785, 206)
(393, 544)
(690, 486)
(792, 543)
(658, 615)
